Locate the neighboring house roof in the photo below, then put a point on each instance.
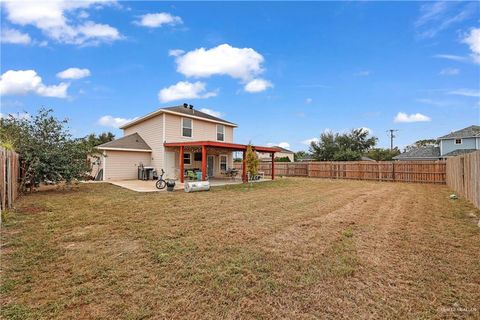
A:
(425, 152)
(458, 152)
(132, 142)
(181, 110)
(468, 132)
(363, 158)
(283, 150)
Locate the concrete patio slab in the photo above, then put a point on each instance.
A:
(149, 186)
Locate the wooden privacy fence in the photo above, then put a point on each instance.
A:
(463, 176)
(395, 171)
(9, 174)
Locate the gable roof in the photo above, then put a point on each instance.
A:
(132, 142)
(459, 152)
(425, 152)
(182, 110)
(283, 150)
(472, 131)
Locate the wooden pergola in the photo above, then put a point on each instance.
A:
(204, 145)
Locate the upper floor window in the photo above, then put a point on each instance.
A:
(458, 141)
(220, 132)
(187, 127)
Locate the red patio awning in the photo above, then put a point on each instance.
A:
(217, 144)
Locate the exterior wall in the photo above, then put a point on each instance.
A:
(448, 145)
(123, 165)
(201, 130)
(198, 164)
(151, 130)
(168, 128)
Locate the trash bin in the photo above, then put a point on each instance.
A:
(170, 185)
(199, 175)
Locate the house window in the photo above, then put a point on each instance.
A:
(220, 132)
(458, 141)
(187, 158)
(223, 163)
(187, 127)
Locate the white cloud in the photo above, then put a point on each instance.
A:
(185, 90)
(257, 85)
(450, 57)
(309, 141)
(155, 20)
(363, 73)
(414, 117)
(211, 112)
(109, 121)
(308, 100)
(238, 63)
(54, 19)
(466, 92)
(73, 73)
(440, 15)
(14, 36)
(473, 41)
(284, 145)
(22, 82)
(176, 52)
(449, 72)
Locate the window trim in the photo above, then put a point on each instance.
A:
(223, 133)
(455, 141)
(190, 159)
(220, 162)
(182, 127)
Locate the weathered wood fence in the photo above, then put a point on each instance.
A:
(9, 175)
(395, 171)
(463, 176)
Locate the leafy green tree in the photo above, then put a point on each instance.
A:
(252, 161)
(342, 147)
(48, 152)
(381, 154)
(299, 155)
(282, 159)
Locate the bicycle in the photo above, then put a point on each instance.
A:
(161, 183)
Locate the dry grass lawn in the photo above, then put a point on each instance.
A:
(293, 248)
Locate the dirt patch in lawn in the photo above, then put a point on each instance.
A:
(292, 248)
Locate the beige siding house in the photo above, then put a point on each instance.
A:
(163, 138)
(282, 153)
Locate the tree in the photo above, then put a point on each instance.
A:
(48, 153)
(251, 159)
(299, 155)
(421, 143)
(282, 159)
(342, 147)
(381, 154)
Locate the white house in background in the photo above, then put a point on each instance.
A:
(283, 153)
(175, 139)
(458, 142)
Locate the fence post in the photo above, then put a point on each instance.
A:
(393, 171)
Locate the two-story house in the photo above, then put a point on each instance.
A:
(174, 139)
(458, 142)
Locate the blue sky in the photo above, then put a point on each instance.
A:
(283, 71)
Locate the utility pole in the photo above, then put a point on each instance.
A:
(391, 133)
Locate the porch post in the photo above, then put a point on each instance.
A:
(273, 166)
(244, 166)
(204, 163)
(182, 171)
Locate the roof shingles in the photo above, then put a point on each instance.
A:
(132, 141)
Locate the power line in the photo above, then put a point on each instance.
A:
(391, 133)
